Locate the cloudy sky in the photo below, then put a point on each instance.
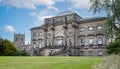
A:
(20, 15)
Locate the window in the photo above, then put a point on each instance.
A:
(60, 42)
(82, 29)
(91, 53)
(100, 53)
(90, 41)
(40, 45)
(100, 40)
(40, 35)
(34, 45)
(99, 27)
(21, 39)
(90, 28)
(81, 53)
(82, 41)
(34, 35)
(16, 39)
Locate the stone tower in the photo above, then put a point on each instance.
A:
(19, 40)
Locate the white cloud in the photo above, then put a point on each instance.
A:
(9, 28)
(40, 16)
(80, 4)
(29, 4)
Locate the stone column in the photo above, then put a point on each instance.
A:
(74, 34)
(52, 35)
(77, 39)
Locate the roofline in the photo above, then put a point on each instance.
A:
(38, 27)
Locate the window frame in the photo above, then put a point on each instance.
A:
(99, 26)
(81, 29)
(90, 27)
(100, 42)
(91, 43)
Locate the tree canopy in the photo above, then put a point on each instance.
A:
(112, 9)
(7, 48)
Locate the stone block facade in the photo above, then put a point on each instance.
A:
(71, 33)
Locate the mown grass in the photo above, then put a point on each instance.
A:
(48, 62)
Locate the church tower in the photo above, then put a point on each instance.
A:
(19, 40)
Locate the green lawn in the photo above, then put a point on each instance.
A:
(48, 62)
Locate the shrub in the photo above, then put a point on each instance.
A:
(110, 62)
(21, 53)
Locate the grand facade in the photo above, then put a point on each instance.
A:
(69, 34)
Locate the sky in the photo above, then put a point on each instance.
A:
(18, 16)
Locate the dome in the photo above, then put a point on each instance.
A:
(65, 13)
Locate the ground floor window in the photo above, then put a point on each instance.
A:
(81, 53)
(100, 53)
(91, 53)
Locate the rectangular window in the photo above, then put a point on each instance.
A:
(100, 53)
(90, 41)
(34, 45)
(82, 41)
(91, 53)
(40, 45)
(40, 35)
(100, 40)
(81, 53)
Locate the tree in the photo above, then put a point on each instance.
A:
(112, 8)
(9, 48)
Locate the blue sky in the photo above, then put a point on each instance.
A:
(20, 15)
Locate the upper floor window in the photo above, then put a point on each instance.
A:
(60, 42)
(100, 40)
(90, 41)
(40, 45)
(34, 45)
(40, 35)
(21, 39)
(90, 28)
(99, 27)
(16, 39)
(82, 29)
(82, 41)
(34, 35)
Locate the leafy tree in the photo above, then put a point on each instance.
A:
(1, 47)
(114, 47)
(112, 8)
(9, 48)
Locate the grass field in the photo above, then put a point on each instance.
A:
(48, 62)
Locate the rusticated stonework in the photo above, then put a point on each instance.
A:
(70, 35)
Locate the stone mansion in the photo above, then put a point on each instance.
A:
(69, 34)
